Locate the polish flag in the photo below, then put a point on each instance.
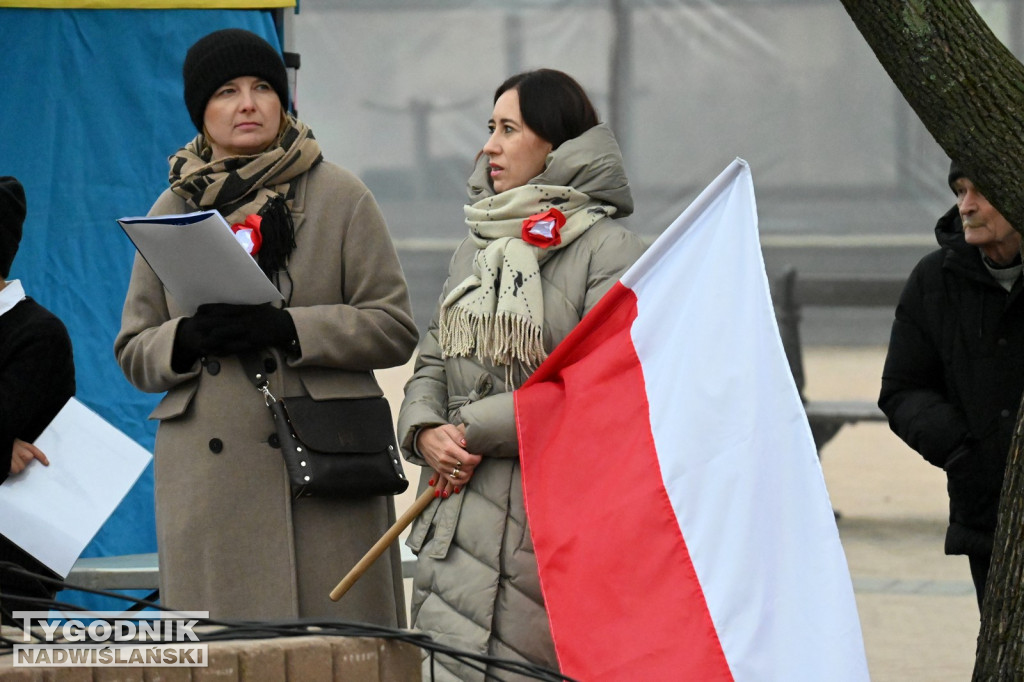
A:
(676, 503)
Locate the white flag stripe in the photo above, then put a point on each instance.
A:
(737, 455)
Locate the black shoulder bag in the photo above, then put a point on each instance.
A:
(334, 448)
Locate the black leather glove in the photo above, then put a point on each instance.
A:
(235, 329)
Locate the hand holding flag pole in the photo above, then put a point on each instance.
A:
(381, 545)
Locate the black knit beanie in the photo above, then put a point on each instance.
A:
(12, 215)
(954, 174)
(229, 53)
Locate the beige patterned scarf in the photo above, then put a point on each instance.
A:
(497, 313)
(240, 185)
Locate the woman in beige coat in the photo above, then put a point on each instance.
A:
(541, 251)
(231, 539)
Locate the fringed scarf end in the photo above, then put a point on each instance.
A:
(503, 339)
(460, 330)
(515, 338)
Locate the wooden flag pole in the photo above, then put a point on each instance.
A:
(381, 545)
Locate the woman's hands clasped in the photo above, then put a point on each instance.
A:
(444, 448)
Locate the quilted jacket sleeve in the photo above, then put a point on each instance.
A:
(426, 395)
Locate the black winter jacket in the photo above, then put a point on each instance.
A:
(953, 378)
(37, 374)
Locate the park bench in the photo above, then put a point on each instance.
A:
(790, 294)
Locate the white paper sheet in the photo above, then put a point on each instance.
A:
(198, 259)
(52, 512)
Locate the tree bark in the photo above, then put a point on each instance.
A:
(963, 83)
(1000, 653)
(968, 90)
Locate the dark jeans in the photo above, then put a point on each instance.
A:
(979, 573)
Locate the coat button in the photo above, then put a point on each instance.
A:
(270, 364)
(273, 441)
(1001, 342)
(1005, 413)
(216, 445)
(213, 367)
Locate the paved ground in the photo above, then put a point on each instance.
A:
(917, 607)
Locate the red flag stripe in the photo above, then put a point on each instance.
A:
(637, 600)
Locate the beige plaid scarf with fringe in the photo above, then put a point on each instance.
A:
(497, 313)
(240, 185)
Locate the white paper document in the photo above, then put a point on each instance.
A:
(198, 259)
(52, 512)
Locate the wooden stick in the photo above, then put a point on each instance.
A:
(381, 545)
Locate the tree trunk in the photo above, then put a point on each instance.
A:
(1000, 654)
(963, 83)
(968, 90)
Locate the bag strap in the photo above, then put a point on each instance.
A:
(254, 370)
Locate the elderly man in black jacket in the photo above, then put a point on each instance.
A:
(954, 372)
(37, 377)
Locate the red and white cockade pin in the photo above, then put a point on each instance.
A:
(544, 229)
(248, 234)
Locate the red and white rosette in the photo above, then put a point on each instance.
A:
(248, 234)
(544, 229)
